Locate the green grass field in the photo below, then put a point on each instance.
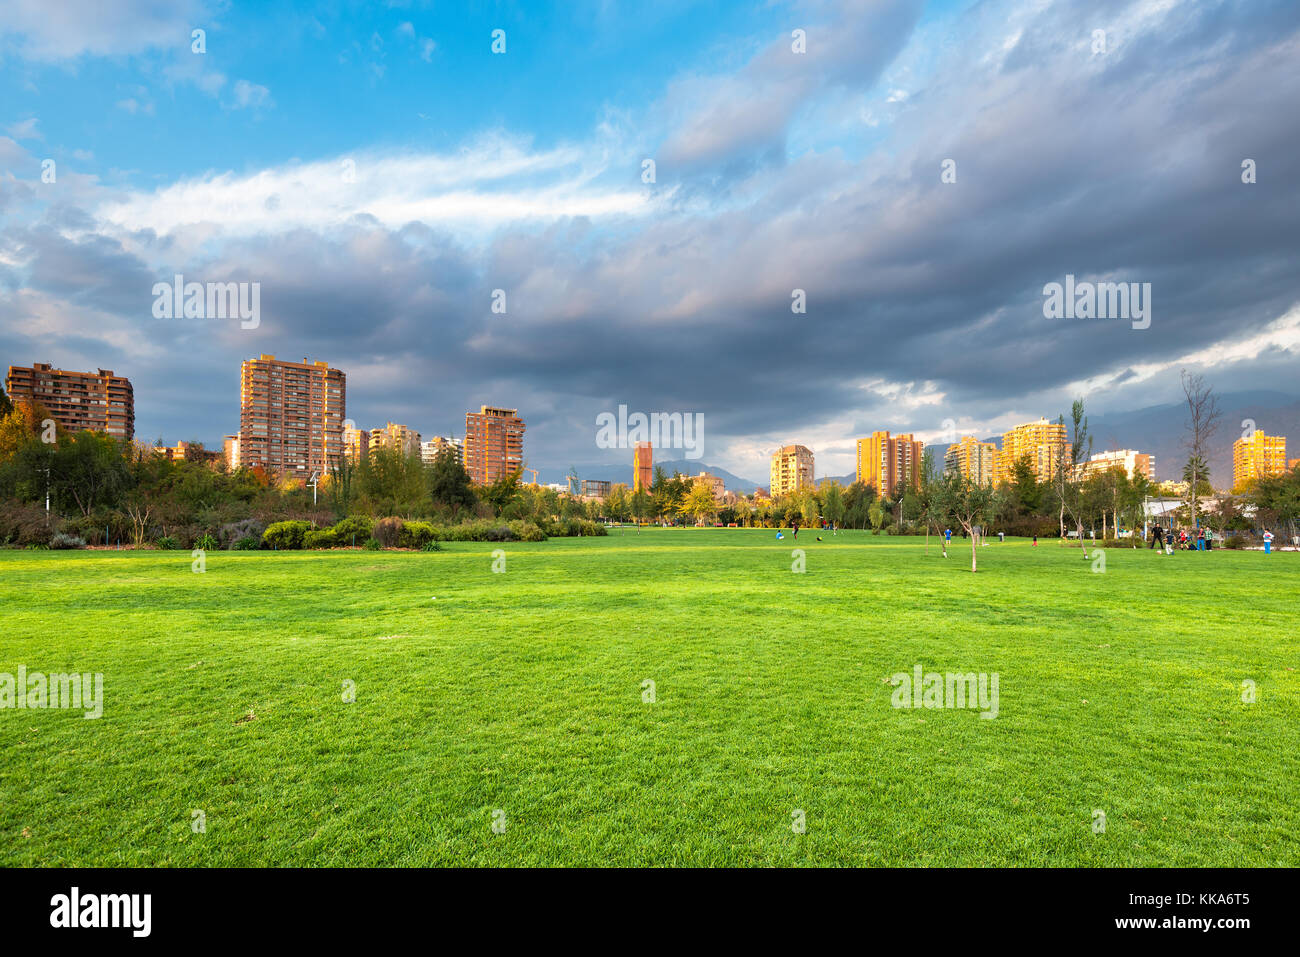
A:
(521, 693)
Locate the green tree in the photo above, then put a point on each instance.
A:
(449, 484)
(833, 503)
(339, 489)
(699, 503)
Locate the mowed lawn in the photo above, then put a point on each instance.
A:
(518, 697)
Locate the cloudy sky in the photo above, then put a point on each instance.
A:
(380, 171)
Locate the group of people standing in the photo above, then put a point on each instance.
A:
(1201, 539)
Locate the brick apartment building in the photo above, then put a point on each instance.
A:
(78, 401)
(494, 444)
(642, 467)
(291, 416)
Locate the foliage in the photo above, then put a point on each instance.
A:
(285, 535)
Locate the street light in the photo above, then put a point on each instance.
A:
(312, 483)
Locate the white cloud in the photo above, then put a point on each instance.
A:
(24, 130)
(73, 28)
(489, 184)
(250, 95)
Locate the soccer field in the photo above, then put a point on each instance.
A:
(504, 717)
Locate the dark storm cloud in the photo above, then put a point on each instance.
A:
(1123, 167)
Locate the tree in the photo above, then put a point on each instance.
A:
(876, 514)
(501, 493)
(1067, 479)
(1026, 492)
(699, 502)
(833, 503)
(89, 469)
(934, 508)
(641, 505)
(971, 504)
(1202, 422)
(449, 484)
(809, 508)
(339, 489)
(5, 405)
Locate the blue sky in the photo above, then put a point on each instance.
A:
(380, 171)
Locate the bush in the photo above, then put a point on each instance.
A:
(388, 532)
(286, 535)
(64, 540)
(372, 545)
(320, 538)
(417, 534)
(431, 546)
(232, 532)
(354, 528)
(167, 543)
(24, 524)
(207, 541)
(246, 544)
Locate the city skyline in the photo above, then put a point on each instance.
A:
(386, 240)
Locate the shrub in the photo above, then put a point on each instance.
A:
(24, 524)
(232, 532)
(167, 543)
(416, 534)
(64, 540)
(287, 535)
(354, 528)
(36, 547)
(206, 541)
(388, 532)
(372, 545)
(246, 544)
(431, 546)
(320, 538)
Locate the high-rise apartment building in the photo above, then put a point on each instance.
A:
(642, 467)
(494, 444)
(1127, 459)
(884, 461)
(1043, 443)
(432, 448)
(356, 443)
(972, 458)
(792, 469)
(1257, 456)
(394, 436)
(78, 401)
(291, 416)
(231, 446)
